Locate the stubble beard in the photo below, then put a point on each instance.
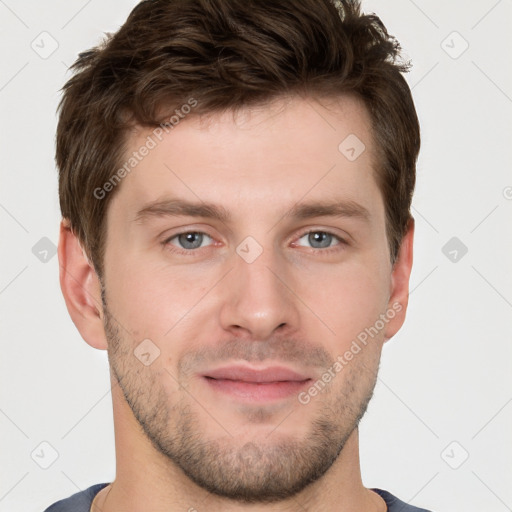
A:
(252, 472)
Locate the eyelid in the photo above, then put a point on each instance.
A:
(342, 240)
(188, 228)
(167, 240)
(189, 232)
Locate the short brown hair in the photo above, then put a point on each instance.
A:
(228, 54)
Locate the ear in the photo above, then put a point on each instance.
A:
(399, 290)
(81, 288)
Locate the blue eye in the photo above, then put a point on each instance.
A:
(321, 239)
(189, 240)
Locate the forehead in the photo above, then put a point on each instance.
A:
(277, 153)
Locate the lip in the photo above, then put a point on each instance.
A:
(256, 385)
(253, 375)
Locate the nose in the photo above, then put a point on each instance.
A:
(258, 297)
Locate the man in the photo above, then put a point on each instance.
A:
(235, 182)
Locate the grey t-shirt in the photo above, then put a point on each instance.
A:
(81, 501)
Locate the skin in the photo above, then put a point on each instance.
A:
(179, 444)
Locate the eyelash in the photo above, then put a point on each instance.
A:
(342, 243)
(191, 252)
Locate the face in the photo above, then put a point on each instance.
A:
(246, 262)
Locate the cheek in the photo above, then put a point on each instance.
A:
(150, 298)
(348, 298)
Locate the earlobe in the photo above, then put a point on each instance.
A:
(81, 288)
(399, 292)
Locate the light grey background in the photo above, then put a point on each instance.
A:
(444, 391)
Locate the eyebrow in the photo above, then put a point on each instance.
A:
(300, 211)
(345, 208)
(181, 207)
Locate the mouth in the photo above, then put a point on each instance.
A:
(256, 385)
